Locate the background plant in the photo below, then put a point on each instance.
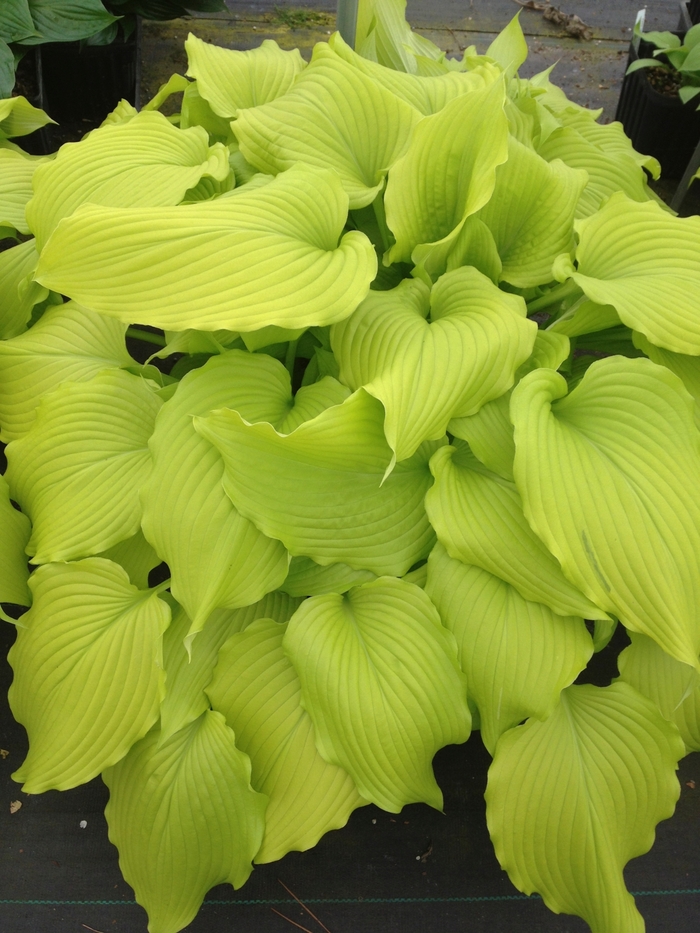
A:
(418, 433)
(680, 60)
(24, 23)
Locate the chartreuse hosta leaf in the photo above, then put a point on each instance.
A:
(509, 48)
(531, 214)
(229, 80)
(425, 94)
(146, 162)
(189, 673)
(609, 137)
(333, 117)
(319, 490)
(585, 317)
(478, 518)
(673, 686)
(16, 172)
(518, 655)
(307, 578)
(642, 260)
(217, 557)
(448, 173)
(184, 817)
(270, 255)
(13, 560)
(425, 373)
(607, 172)
(88, 671)
(259, 693)
(68, 344)
(383, 35)
(570, 800)
(380, 680)
(490, 431)
(78, 471)
(18, 294)
(19, 118)
(687, 368)
(607, 476)
(136, 556)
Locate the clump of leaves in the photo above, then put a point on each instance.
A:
(422, 402)
(675, 67)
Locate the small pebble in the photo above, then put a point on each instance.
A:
(374, 821)
(83, 824)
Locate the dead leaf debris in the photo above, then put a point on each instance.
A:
(572, 24)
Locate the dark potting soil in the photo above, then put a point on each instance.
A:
(664, 81)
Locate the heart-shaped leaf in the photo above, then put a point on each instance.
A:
(380, 680)
(88, 666)
(425, 373)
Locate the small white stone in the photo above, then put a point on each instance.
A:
(83, 824)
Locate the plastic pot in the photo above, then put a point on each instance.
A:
(658, 124)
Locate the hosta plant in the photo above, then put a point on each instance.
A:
(417, 433)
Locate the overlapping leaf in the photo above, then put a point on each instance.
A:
(687, 368)
(607, 476)
(607, 172)
(478, 517)
(572, 799)
(426, 94)
(13, 560)
(188, 672)
(447, 174)
(145, 162)
(136, 556)
(270, 255)
(643, 261)
(333, 117)
(68, 344)
(258, 690)
(425, 373)
(19, 118)
(16, 172)
(230, 80)
(78, 471)
(517, 654)
(671, 685)
(307, 578)
(489, 432)
(217, 557)
(319, 489)
(88, 671)
(184, 818)
(531, 214)
(380, 680)
(18, 294)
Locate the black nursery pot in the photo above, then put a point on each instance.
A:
(694, 11)
(658, 125)
(80, 82)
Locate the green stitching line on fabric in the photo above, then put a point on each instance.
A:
(349, 900)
